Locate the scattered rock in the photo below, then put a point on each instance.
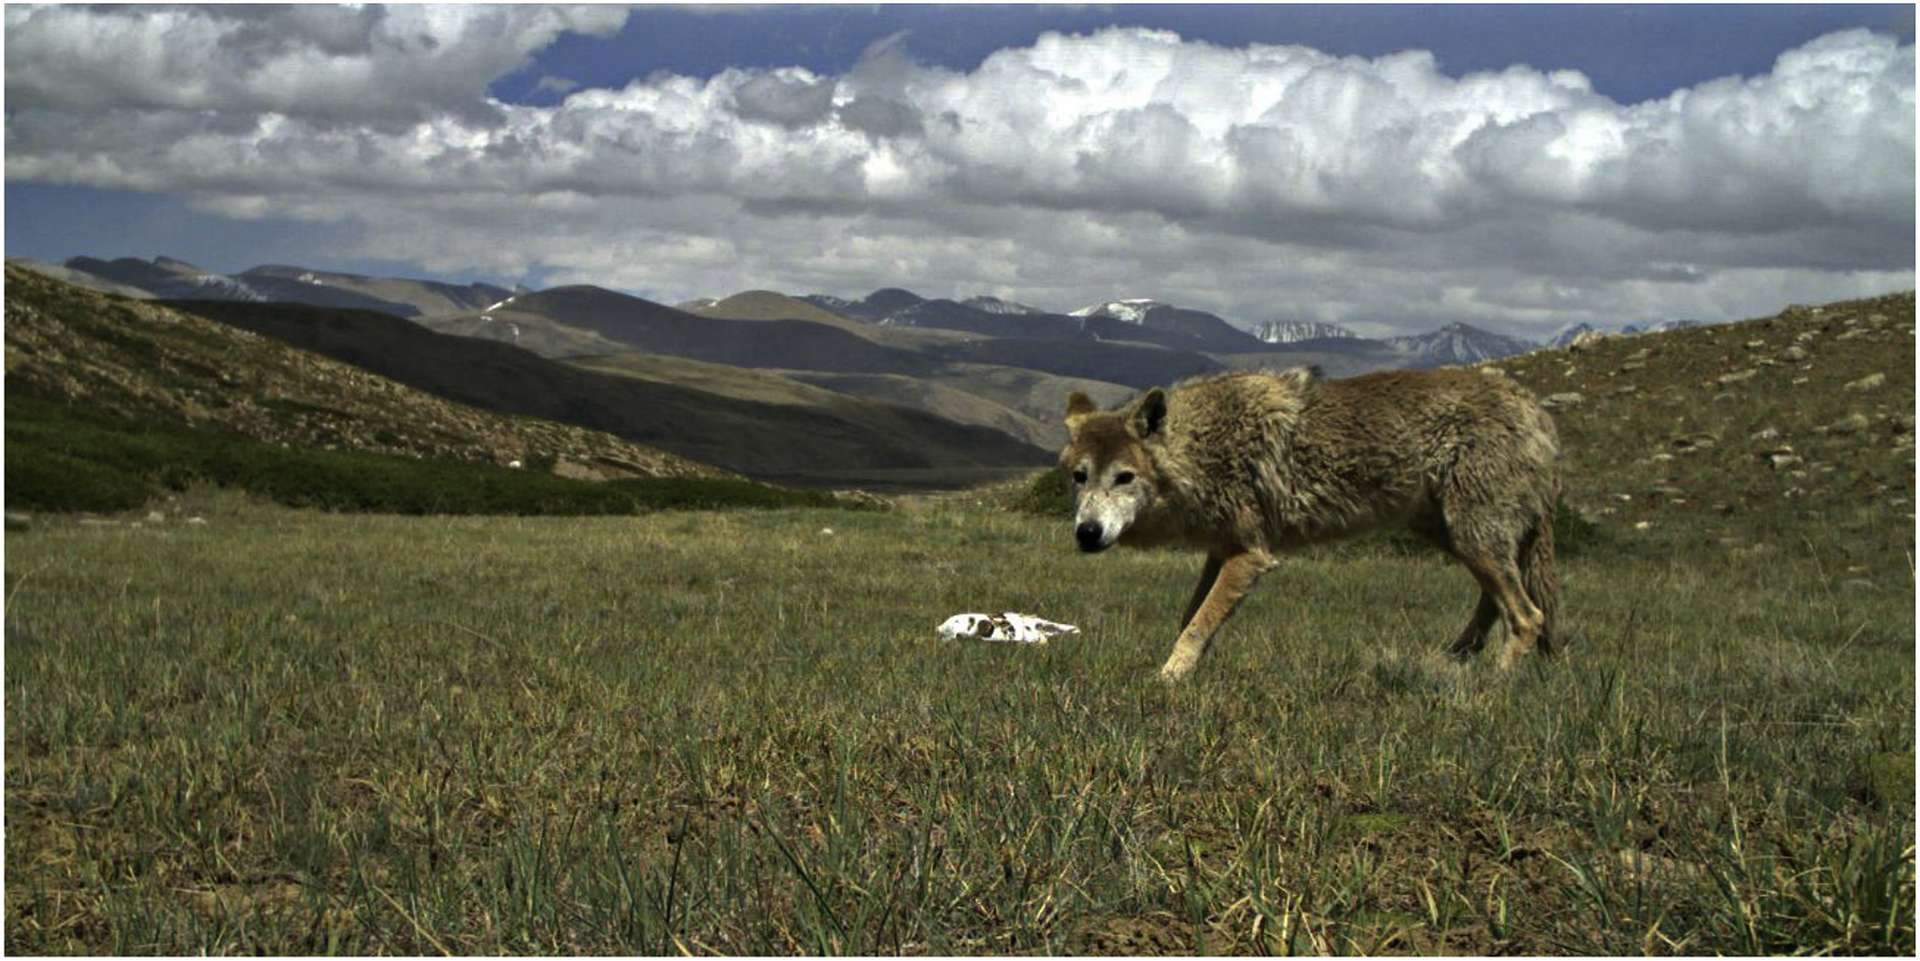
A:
(826, 532)
(155, 517)
(1587, 339)
(1765, 434)
(1642, 525)
(1869, 382)
(1662, 457)
(563, 467)
(1736, 377)
(1568, 399)
(1782, 461)
(1795, 353)
(196, 520)
(1756, 344)
(1627, 389)
(1851, 424)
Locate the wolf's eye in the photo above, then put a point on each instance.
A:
(1124, 477)
(1079, 477)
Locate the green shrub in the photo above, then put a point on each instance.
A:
(61, 459)
(49, 481)
(1048, 494)
(1573, 534)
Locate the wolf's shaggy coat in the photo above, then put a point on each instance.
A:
(1245, 465)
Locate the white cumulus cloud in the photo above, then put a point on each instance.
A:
(1256, 181)
(369, 64)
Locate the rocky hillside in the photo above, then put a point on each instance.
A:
(149, 362)
(1744, 433)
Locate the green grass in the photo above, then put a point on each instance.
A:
(298, 732)
(62, 459)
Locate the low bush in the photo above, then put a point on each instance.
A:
(63, 459)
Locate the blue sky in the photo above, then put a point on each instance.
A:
(1518, 167)
(1631, 52)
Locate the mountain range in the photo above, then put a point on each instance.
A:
(1129, 320)
(762, 382)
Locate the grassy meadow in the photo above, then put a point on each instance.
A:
(294, 732)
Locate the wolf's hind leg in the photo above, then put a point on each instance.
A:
(1499, 577)
(1237, 575)
(1474, 636)
(1208, 574)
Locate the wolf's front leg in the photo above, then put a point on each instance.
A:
(1208, 574)
(1237, 573)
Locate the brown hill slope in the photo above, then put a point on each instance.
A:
(152, 362)
(643, 325)
(772, 305)
(1746, 434)
(779, 434)
(1026, 403)
(79, 278)
(405, 296)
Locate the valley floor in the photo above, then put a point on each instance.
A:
(292, 732)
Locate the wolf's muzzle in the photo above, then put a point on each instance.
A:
(1088, 534)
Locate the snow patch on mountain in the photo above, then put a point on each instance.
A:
(1293, 331)
(1568, 334)
(226, 288)
(1132, 310)
(1457, 344)
(994, 305)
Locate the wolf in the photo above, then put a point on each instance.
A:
(1247, 465)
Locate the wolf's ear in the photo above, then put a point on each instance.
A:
(1147, 414)
(1078, 407)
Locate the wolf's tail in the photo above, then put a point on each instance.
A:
(1539, 575)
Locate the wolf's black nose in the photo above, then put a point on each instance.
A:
(1088, 534)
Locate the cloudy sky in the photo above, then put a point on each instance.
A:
(1393, 168)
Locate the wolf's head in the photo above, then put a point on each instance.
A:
(1109, 457)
